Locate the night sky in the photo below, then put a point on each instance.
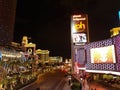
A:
(47, 22)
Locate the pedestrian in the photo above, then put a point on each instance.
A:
(37, 89)
(69, 81)
(83, 82)
(80, 86)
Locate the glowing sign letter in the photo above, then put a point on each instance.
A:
(79, 26)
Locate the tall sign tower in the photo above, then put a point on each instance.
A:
(79, 37)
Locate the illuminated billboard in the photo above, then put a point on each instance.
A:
(79, 29)
(79, 23)
(103, 54)
(79, 38)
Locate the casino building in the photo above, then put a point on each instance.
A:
(7, 19)
(99, 60)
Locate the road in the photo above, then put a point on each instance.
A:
(54, 80)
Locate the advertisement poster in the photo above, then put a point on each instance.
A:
(103, 55)
(79, 38)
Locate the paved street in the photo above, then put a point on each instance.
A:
(54, 80)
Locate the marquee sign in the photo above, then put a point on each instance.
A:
(79, 23)
(79, 29)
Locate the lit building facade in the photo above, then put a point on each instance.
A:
(24, 40)
(98, 60)
(43, 56)
(30, 48)
(55, 59)
(103, 59)
(7, 19)
(115, 31)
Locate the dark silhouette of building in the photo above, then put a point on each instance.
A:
(7, 19)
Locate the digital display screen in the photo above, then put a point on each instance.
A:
(79, 38)
(103, 54)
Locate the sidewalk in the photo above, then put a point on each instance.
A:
(67, 86)
(102, 86)
(95, 85)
